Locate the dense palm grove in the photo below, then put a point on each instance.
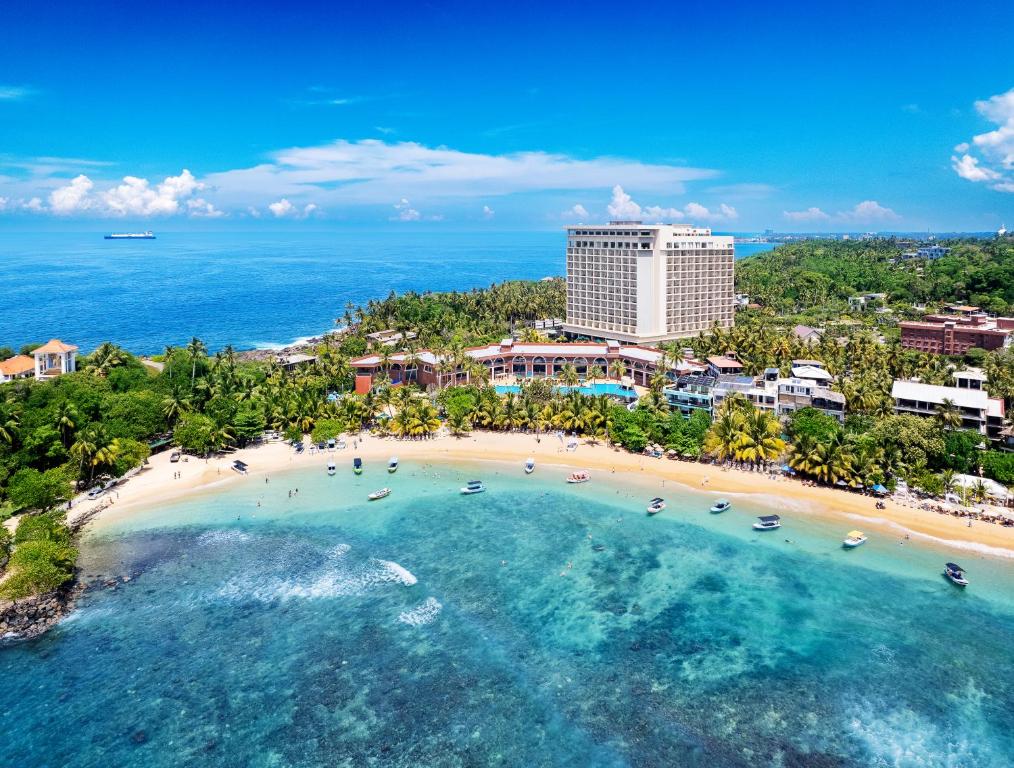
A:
(62, 436)
(818, 276)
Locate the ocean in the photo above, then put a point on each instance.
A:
(250, 290)
(537, 624)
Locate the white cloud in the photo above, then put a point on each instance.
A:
(487, 212)
(622, 206)
(372, 171)
(72, 198)
(134, 197)
(285, 209)
(810, 214)
(200, 208)
(967, 167)
(405, 212)
(34, 205)
(3, 203)
(579, 211)
(869, 211)
(994, 162)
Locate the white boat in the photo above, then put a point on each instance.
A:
(767, 523)
(473, 486)
(330, 468)
(854, 539)
(392, 465)
(240, 466)
(379, 494)
(721, 506)
(341, 445)
(956, 574)
(655, 506)
(579, 477)
(529, 465)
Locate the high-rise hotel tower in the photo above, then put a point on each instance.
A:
(645, 283)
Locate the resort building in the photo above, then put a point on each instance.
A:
(977, 409)
(769, 392)
(510, 360)
(646, 283)
(957, 331)
(54, 358)
(867, 301)
(932, 252)
(17, 367)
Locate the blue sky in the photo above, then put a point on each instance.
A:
(800, 116)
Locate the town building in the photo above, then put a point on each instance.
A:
(957, 331)
(979, 412)
(54, 358)
(17, 367)
(646, 283)
(867, 301)
(932, 252)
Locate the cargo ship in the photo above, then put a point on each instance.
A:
(149, 235)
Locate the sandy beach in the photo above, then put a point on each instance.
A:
(157, 483)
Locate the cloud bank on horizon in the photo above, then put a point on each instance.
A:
(410, 182)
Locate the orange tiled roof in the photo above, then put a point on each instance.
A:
(55, 347)
(17, 365)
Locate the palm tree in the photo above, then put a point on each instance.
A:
(105, 357)
(568, 375)
(617, 369)
(595, 373)
(459, 424)
(196, 349)
(948, 415)
(66, 422)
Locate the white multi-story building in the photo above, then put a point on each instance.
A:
(645, 283)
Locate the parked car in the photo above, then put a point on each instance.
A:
(95, 492)
(174, 456)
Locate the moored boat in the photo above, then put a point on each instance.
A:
(330, 468)
(656, 505)
(579, 477)
(529, 465)
(721, 505)
(240, 466)
(379, 494)
(767, 523)
(956, 574)
(392, 465)
(357, 465)
(473, 486)
(854, 539)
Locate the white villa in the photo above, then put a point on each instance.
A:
(53, 359)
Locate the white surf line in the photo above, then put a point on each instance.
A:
(970, 546)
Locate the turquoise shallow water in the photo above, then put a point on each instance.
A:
(440, 630)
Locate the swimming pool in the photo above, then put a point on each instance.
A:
(599, 388)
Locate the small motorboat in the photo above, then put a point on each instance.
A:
(956, 574)
(767, 523)
(330, 468)
(529, 465)
(341, 445)
(330, 443)
(473, 486)
(655, 506)
(379, 494)
(854, 539)
(721, 506)
(357, 465)
(392, 465)
(240, 467)
(579, 477)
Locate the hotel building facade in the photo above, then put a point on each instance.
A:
(645, 283)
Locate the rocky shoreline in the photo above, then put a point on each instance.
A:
(30, 617)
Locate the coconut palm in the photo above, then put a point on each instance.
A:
(948, 415)
(196, 349)
(617, 369)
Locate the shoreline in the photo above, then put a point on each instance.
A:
(155, 484)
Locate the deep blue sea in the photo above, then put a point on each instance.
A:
(538, 624)
(245, 289)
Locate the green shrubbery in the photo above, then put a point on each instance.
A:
(43, 557)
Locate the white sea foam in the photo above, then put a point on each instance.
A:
(969, 546)
(336, 577)
(424, 613)
(398, 573)
(224, 536)
(274, 346)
